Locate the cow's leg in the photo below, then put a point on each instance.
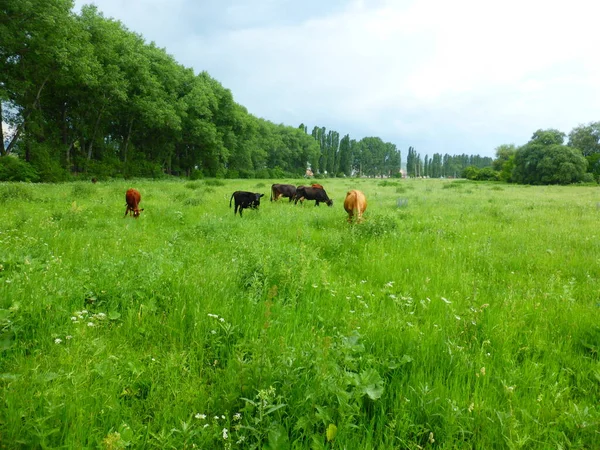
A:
(317, 203)
(235, 210)
(126, 210)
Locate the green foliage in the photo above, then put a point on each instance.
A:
(586, 138)
(15, 169)
(485, 174)
(548, 164)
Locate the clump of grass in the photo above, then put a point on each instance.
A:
(388, 183)
(376, 225)
(260, 185)
(215, 182)
(453, 185)
(16, 191)
(193, 185)
(192, 201)
(82, 189)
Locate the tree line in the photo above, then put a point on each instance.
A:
(83, 94)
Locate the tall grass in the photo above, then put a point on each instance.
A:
(466, 318)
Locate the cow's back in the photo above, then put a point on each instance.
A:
(355, 202)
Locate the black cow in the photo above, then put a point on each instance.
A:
(283, 190)
(245, 199)
(311, 193)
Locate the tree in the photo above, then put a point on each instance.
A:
(586, 138)
(505, 161)
(544, 160)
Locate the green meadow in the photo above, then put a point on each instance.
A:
(458, 315)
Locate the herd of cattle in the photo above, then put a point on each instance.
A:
(355, 202)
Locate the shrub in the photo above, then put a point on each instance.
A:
(15, 169)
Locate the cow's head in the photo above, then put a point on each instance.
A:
(256, 202)
(329, 202)
(136, 212)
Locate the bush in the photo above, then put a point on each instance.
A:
(47, 166)
(196, 175)
(15, 169)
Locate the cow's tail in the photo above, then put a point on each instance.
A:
(271, 193)
(231, 199)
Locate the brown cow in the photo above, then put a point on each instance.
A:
(355, 201)
(133, 199)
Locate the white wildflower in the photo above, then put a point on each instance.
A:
(68, 337)
(205, 425)
(221, 320)
(457, 317)
(237, 416)
(241, 439)
(389, 284)
(214, 316)
(363, 281)
(223, 417)
(200, 416)
(91, 324)
(74, 319)
(216, 417)
(225, 431)
(213, 332)
(57, 340)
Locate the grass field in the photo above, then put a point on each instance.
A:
(458, 315)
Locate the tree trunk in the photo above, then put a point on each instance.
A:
(95, 130)
(2, 150)
(126, 143)
(25, 117)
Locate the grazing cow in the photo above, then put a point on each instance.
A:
(133, 199)
(283, 190)
(311, 193)
(355, 202)
(245, 199)
(317, 186)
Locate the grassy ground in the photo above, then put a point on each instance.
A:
(458, 315)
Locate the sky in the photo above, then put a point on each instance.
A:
(460, 76)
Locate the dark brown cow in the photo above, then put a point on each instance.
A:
(355, 202)
(133, 199)
(311, 193)
(283, 190)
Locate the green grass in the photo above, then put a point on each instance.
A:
(458, 315)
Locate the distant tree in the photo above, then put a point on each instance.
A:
(505, 161)
(544, 160)
(586, 138)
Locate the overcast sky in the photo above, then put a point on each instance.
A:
(461, 76)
